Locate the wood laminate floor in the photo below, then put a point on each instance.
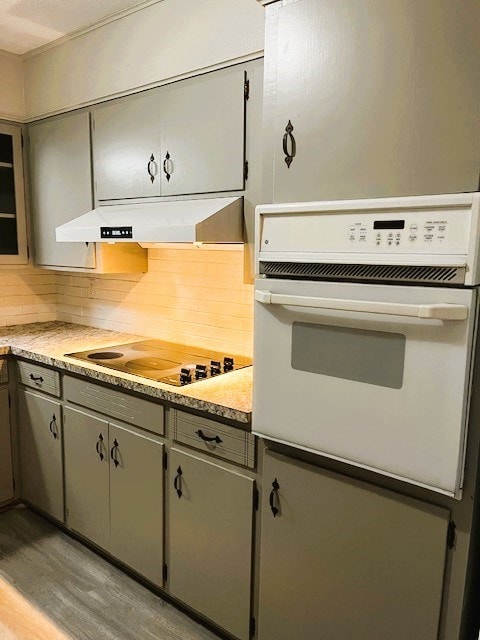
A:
(54, 588)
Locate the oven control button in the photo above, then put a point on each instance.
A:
(228, 364)
(200, 371)
(412, 237)
(414, 227)
(215, 368)
(185, 376)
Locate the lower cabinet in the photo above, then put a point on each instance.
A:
(114, 490)
(40, 451)
(210, 540)
(6, 477)
(344, 559)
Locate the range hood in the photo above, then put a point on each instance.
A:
(209, 220)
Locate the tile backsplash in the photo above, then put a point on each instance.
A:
(190, 295)
(27, 295)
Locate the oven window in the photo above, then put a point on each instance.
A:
(373, 357)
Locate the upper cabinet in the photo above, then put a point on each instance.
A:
(13, 234)
(61, 189)
(371, 99)
(184, 138)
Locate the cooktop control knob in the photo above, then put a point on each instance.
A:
(215, 368)
(228, 364)
(185, 376)
(200, 371)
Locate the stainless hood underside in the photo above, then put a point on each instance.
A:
(213, 220)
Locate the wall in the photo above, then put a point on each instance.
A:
(166, 40)
(189, 296)
(11, 88)
(26, 295)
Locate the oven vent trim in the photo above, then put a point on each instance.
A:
(376, 272)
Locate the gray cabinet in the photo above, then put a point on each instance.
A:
(6, 478)
(210, 540)
(114, 490)
(375, 98)
(180, 139)
(61, 187)
(13, 230)
(344, 559)
(136, 501)
(87, 476)
(203, 134)
(40, 449)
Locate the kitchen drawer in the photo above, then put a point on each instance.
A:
(233, 444)
(3, 371)
(115, 404)
(40, 378)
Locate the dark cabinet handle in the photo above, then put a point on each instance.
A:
(288, 138)
(36, 378)
(177, 483)
(151, 163)
(205, 438)
(274, 497)
(165, 170)
(53, 427)
(113, 453)
(99, 447)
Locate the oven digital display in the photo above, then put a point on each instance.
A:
(389, 224)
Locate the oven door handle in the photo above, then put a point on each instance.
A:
(435, 311)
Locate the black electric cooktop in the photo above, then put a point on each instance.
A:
(163, 362)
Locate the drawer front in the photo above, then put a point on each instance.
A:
(40, 378)
(3, 371)
(213, 437)
(137, 411)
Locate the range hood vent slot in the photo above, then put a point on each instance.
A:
(212, 220)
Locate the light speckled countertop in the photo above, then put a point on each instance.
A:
(228, 396)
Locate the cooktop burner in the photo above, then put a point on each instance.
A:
(164, 362)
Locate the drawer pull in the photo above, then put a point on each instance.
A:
(113, 453)
(36, 378)
(99, 447)
(274, 497)
(53, 427)
(205, 438)
(177, 483)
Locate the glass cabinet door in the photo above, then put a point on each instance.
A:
(13, 245)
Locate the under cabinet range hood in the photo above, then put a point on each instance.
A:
(213, 220)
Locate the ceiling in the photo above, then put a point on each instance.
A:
(28, 24)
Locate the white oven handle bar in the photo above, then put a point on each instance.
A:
(441, 311)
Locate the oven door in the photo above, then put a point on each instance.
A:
(376, 376)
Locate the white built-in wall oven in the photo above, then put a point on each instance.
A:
(365, 326)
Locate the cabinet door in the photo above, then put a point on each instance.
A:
(203, 135)
(375, 98)
(211, 540)
(61, 187)
(126, 148)
(86, 476)
(13, 233)
(40, 444)
(343, 559)
(136, 501)
(6, 479)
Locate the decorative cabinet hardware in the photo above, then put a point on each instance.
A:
(274, 498)
(288, 138)
(167, 167)
(36, 378)
(177, 483)
(53, 427)
(113, 453)
(205, 438)
(152, 168)
(99, 447)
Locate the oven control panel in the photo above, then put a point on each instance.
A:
(389, 234)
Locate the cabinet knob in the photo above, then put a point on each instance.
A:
(274, 504)
(99, 447)
(53, 427)
(167, 167)
(152, 168)
(289, 140)
(177, 483)
(113, 453)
